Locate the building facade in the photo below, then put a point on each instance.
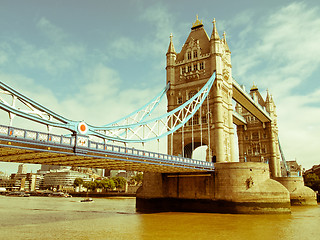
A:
(64, 177)
(258, 142)
(212, 125)
(187, 72)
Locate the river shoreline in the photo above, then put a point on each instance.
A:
(102, 195)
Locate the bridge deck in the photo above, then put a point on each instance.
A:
(24, 146)
(245, 100)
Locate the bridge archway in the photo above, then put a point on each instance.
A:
(198, 150)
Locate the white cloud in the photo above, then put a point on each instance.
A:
(286, 43)
(152, 43)
(55, 56)
(51, 31)
(281, 53)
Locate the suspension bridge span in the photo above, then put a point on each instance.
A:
(205, 107)
(28, 146)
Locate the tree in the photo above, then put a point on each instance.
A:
(137, 179)
(108, 184)
(98, 183)
(120, 182)
(90, 185)
(77, 182)
(312, 180)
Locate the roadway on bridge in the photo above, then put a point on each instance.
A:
(63, 151)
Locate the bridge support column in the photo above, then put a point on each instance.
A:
(233, 188)
(218, 122)
(240, 133)
(300, 195)
(233, 158)
(274, 161)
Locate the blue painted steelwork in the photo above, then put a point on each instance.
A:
(179, 116)
(146, 110)
(114, 131)
(62, 122)
(91, 149)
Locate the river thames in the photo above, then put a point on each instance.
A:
(116, 218)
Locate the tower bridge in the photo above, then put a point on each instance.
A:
(201, 112)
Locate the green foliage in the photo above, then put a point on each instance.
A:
(312, 180)
(108, 184)
(77, 182)
(120, 182)
(137, 179)
(99, 183)
(90, 185)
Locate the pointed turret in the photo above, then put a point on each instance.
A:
(253, 92)
(225, 42)
(215, 39)
(214, 34)
(171, 59)
(270, 105)
(171, 47)
(268, 97)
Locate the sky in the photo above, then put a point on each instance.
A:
(99, 60)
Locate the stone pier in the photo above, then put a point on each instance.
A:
(236, 187)
(300, 195)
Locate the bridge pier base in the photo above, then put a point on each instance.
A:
(234, 187)
(300, 195)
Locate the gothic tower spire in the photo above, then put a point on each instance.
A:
(171, 47)
(214, 34)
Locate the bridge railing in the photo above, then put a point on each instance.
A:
(23, 135)
(146, 154)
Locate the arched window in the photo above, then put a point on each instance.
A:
(195, 54)
(195, 67)
(183, 70)
(189, 55)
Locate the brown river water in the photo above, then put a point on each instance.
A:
(116, 218)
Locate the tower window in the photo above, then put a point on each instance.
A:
(195, 54)
(179, 100)
(195, 67)
(189, 55)
(183, 70)
(201, 65)
(189, 68)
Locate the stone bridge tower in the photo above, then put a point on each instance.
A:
(258, 142)
(187, 72)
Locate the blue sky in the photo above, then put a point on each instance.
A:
(98, 60)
